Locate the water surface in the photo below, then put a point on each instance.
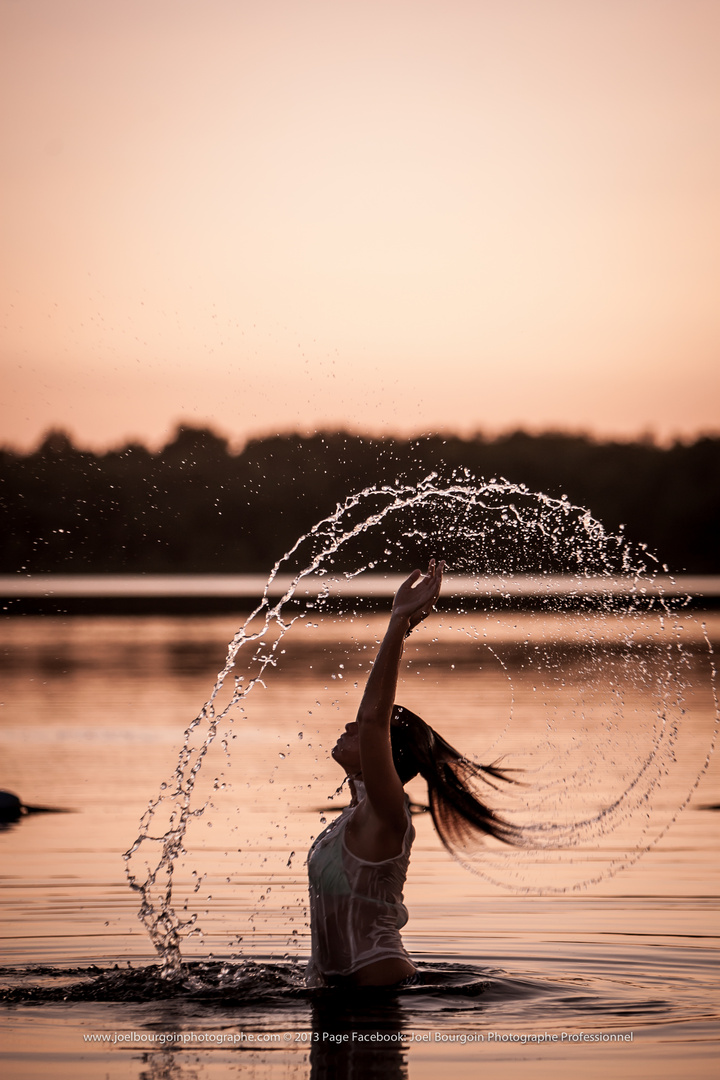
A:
(92, 715)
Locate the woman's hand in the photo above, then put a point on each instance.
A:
(416, 597)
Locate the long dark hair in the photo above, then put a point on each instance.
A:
(457, 812)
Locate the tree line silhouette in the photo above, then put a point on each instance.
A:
(196, 507)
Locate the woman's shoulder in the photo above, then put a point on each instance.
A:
(370, 839)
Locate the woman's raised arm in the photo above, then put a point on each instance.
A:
(413, 602)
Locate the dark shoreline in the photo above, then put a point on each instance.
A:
(218, 605)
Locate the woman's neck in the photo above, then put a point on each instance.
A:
(357, 788)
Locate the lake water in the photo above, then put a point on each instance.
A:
(619, 975)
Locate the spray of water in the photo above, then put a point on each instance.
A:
(486, 531)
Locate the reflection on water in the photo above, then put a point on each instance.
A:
(261, 1016)
(90, 719)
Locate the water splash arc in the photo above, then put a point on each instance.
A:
(481, 528)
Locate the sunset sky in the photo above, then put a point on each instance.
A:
(399, 215)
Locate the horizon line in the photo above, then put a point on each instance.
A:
(235, 446)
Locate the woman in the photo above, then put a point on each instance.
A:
(357, 866)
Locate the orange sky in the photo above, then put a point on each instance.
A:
(394, 214)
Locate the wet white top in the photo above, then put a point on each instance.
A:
(356, 906)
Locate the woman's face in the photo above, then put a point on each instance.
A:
(346, 750)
